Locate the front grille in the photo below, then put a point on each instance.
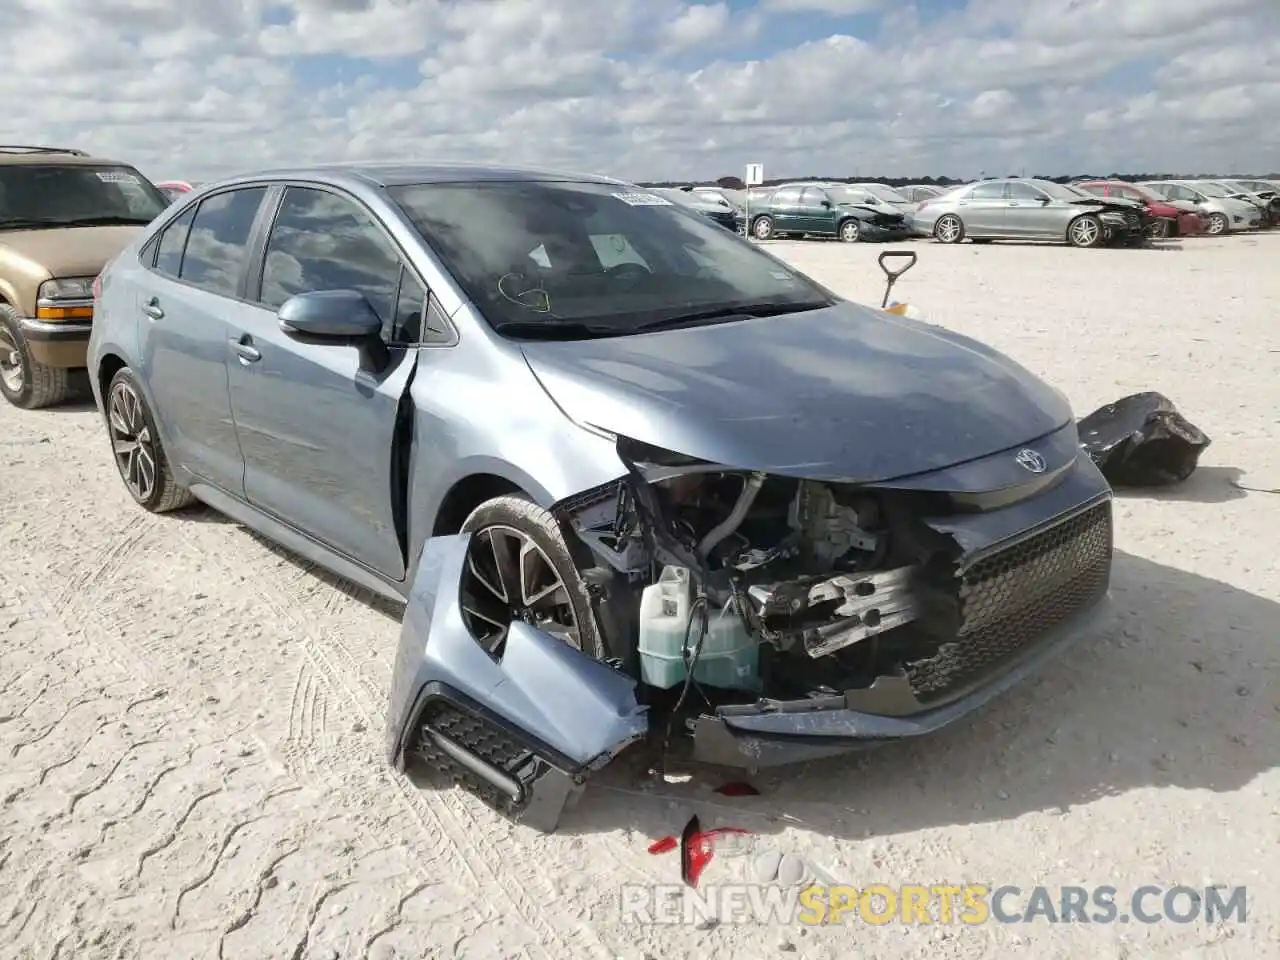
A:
(1011, 598)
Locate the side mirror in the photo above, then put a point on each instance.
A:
(827, 204)
(1044, 201)
(336, 316)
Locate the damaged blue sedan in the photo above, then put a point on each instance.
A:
(636, 480)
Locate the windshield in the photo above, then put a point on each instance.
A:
(1061, 191)
(603, 255)
(853, 195)
(51, 195)
(884, 193)
(1212, 190)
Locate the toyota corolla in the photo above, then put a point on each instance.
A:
(629, 473)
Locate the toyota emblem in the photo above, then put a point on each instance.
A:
(1030, 460)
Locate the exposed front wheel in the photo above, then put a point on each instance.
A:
(850, 231)
(24, 381)
(519, 568)
(762, 228)
(1086, 231)
(948, 229)
(136, 447)
(1159, 229)
(1217, 224)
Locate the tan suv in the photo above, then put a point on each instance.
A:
(63, 215)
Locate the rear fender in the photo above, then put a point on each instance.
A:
(573, 714)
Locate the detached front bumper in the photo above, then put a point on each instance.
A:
(873, 233)
(57, 344)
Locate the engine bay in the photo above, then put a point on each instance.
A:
(747, 586)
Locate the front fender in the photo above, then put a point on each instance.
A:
(571, 712)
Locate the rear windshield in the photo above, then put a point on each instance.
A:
(33, 196)
(538, 252)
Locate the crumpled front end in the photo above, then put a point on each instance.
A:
(524, 730)
(761, 619)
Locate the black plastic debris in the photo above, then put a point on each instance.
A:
(1142, 441)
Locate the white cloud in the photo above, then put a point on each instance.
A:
(652, 88)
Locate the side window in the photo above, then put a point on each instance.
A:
(787, 197)
(1127, 192)
(1023, 191)
(321, 241)
(812, 197)
(411, 303)
(173, 241)
(987, 191)
(1097, 189)
(218, 245)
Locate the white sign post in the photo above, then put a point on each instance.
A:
(755, 178)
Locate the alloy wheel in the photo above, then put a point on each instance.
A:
(1084, 232)
(132, 442)
(850, 232)
(509, 578)
(11, 370)
(763, 229)
(948, 229)
(1217, 225)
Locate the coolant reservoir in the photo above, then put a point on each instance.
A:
(730, 655)
(664, 618)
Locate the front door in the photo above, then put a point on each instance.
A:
(184, 300)
(316, 423)
(1030, 213)
(817, 212)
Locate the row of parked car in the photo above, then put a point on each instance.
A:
(1085, 213)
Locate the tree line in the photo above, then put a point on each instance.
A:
(736, 183)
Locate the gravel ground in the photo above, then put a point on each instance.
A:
(191, 722)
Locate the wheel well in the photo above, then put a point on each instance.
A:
(467, 494)
(110, 366)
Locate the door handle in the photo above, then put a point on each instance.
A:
(152, 309)
(245, 350)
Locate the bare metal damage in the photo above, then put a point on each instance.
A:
(829, 578)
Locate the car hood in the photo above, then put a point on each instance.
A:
(841, 393)
(67, 251)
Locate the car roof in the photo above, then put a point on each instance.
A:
(393, 173)
(22, 155)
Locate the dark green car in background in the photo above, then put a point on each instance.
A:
(825, 210)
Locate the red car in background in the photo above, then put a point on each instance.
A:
(173, 189)
(1168, 218)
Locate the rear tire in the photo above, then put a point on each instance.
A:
(948, 229)
(24, 382)
(136, 448)
(762, 228)
(506, 521)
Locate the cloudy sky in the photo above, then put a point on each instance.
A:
(654, 89)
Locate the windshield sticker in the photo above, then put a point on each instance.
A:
(114, 176)
(643, 199)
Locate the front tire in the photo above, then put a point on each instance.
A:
(850, 231)
(1159, 229)
(1086, 231)
(762, 228)
(1217, 224)
(948, 229)
(520, 568)
(25, 382)
(136, 447)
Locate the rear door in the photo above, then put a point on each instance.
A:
(197, 268)
(788, 215)
(983, 210)
(316, 425)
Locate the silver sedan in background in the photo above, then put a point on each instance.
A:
(1225, 213)
(1023, 209)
